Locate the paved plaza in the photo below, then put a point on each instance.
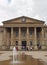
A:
(41, 55)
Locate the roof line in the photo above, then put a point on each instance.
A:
(22, 17)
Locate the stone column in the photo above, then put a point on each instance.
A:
(35, 36)
(12, 36)
(28, 36)
(42, 36)
(19, 36)
(5, 37)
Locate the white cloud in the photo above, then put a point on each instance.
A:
(3, 3)
(13, 8)
(38, 17)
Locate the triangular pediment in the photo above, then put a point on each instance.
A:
(23, 19)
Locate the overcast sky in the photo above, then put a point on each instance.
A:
(14, 8)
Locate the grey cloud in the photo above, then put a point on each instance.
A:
(29, 8)
(40, 8)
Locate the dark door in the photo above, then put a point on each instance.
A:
(24, 45)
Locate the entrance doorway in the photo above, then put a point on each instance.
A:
(24, 45)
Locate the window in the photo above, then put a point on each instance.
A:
(30, 43)
(30, 32)
(16, 33)
(23, 33)
(16, 43)
(37, 34)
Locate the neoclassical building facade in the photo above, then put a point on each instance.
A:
(23, 32)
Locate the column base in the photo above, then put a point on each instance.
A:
(11, 47)
(20, 48)
(4, 47)
(43, 47)
(35, 47)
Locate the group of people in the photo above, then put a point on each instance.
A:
(31, 48)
